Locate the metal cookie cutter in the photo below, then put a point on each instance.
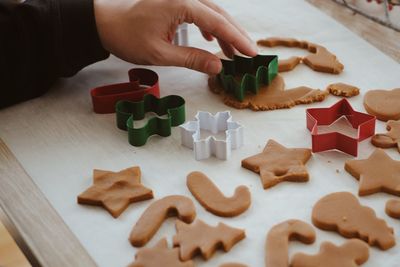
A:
(141, 82)
(255, 72)
(364, 123)
(205, 148)
(127, 112)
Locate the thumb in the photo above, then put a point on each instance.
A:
(191, 58)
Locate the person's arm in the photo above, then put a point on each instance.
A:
(42, 40)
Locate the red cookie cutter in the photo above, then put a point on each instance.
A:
(141, 82)
(364, 123)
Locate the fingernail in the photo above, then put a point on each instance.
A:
(214, 66)
(254, 47)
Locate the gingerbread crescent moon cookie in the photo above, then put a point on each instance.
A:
(393, 208)
(212, 199)
(384, 104)
(389, 139)
(353, 253)
(156, 213)
(278, 238)
(341, 212)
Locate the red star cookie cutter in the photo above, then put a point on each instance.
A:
(364, 123)
(141, 82)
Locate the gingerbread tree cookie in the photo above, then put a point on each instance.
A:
(199, 237)
(353, 253)
(378, 173)
(389, 139)
(341, 212)
(277, 164)
(159, 255)
(115, 190)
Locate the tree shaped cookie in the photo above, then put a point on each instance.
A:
(202, 238)
(159, 255)
(277, 163)
(393, 208)
(353, 253)
(389, 139)
(378, 173)
(115, 190)
(341, 212)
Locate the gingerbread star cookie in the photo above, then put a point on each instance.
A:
(277, 164)
(378, 173)
(389, 139)
(115, 190)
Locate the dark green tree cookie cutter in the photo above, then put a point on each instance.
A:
(255, 72)
(127, 112)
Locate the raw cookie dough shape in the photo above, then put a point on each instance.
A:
(384, 104)
(271, 97)
(115, 190)
(393, 208)
(156, 213)
(343, 213)
(205, 148)
(378, 173)
(277, 164)
(389, 139)
(201, 238)
(320, 59)
(343, 89)
(353, 253)
(159, 255)
(278, 238)
(212, 199)
(244, 74)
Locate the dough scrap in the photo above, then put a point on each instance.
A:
(393, 208)
(156, 213)
(389, 139)
(353, 253)
(204, 239)
(159, 255)
(343, 89)
(378, 173)
(115, 190)
(343, 213)
(212, 199)
(278, 238)
(277, 164)
(384, 104)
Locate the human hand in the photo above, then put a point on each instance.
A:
(141, 32)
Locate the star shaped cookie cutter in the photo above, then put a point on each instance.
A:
(205, 148)
(141, 82)
(257, 71)
(364, 123)
(127, 112)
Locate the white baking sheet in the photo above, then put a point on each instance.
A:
(59, 140)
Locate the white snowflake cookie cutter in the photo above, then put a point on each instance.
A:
(205, 148)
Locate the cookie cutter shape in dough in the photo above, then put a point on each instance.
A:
(127, 112)
(141, 82)
(255, 72)
(205, 148)
(364, 123)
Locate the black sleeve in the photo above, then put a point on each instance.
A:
(42, 40)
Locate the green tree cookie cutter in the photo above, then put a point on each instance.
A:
(127, 112)
(254, 72)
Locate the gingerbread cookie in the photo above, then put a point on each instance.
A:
(383, 104)
(278, 238)
(277, 164)
(213, 200)
(393, 208)
(200, 238)
(115, 190)
(320, 59)
(378, 173)
(353, 253)
(389, 139)
(343, 89)
(156, 213)
(341, 212)
(270, 97)
(159, 255)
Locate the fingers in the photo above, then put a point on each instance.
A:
(228, 50)
(207, 35)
